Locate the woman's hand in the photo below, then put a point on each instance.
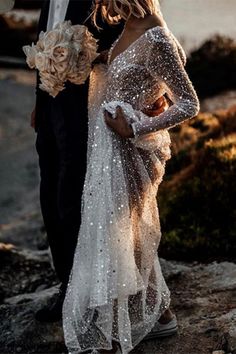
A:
(119, 124)
(160, 106)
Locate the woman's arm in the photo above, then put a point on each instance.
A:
(165, 65)
(121, 126)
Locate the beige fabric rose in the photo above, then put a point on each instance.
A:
(30, 56)
(60, 53)
(42, 62)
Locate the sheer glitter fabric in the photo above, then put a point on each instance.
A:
(116, 289)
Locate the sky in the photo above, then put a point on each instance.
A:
(193, 21)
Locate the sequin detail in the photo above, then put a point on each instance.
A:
(116, 289)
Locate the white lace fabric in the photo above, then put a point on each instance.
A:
(116, 289)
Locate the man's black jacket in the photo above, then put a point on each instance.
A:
(72, 100)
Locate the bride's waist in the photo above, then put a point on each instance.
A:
(137, 101)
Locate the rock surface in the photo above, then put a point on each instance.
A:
(203, 297)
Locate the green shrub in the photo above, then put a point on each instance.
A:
(197, 201)
(212, 66)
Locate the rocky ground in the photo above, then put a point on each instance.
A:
(203, 296)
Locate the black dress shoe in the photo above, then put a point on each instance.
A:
(53, 311)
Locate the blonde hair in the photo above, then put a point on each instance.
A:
(125, 8)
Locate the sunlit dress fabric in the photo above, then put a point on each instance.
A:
(116, 290)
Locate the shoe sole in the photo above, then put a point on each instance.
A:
(162, 333)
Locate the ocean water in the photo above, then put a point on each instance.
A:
(193, 21)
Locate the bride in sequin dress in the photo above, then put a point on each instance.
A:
(116, 291)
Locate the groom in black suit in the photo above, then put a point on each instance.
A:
(61, 125)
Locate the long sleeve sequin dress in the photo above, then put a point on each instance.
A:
(116, 289)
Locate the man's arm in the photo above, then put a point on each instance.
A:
(41, 27)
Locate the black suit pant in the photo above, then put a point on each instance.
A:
(62, 146)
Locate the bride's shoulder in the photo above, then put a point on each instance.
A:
(157, 30)
(155, 24)
(158, 34)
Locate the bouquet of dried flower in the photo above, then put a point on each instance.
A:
(64, 53)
